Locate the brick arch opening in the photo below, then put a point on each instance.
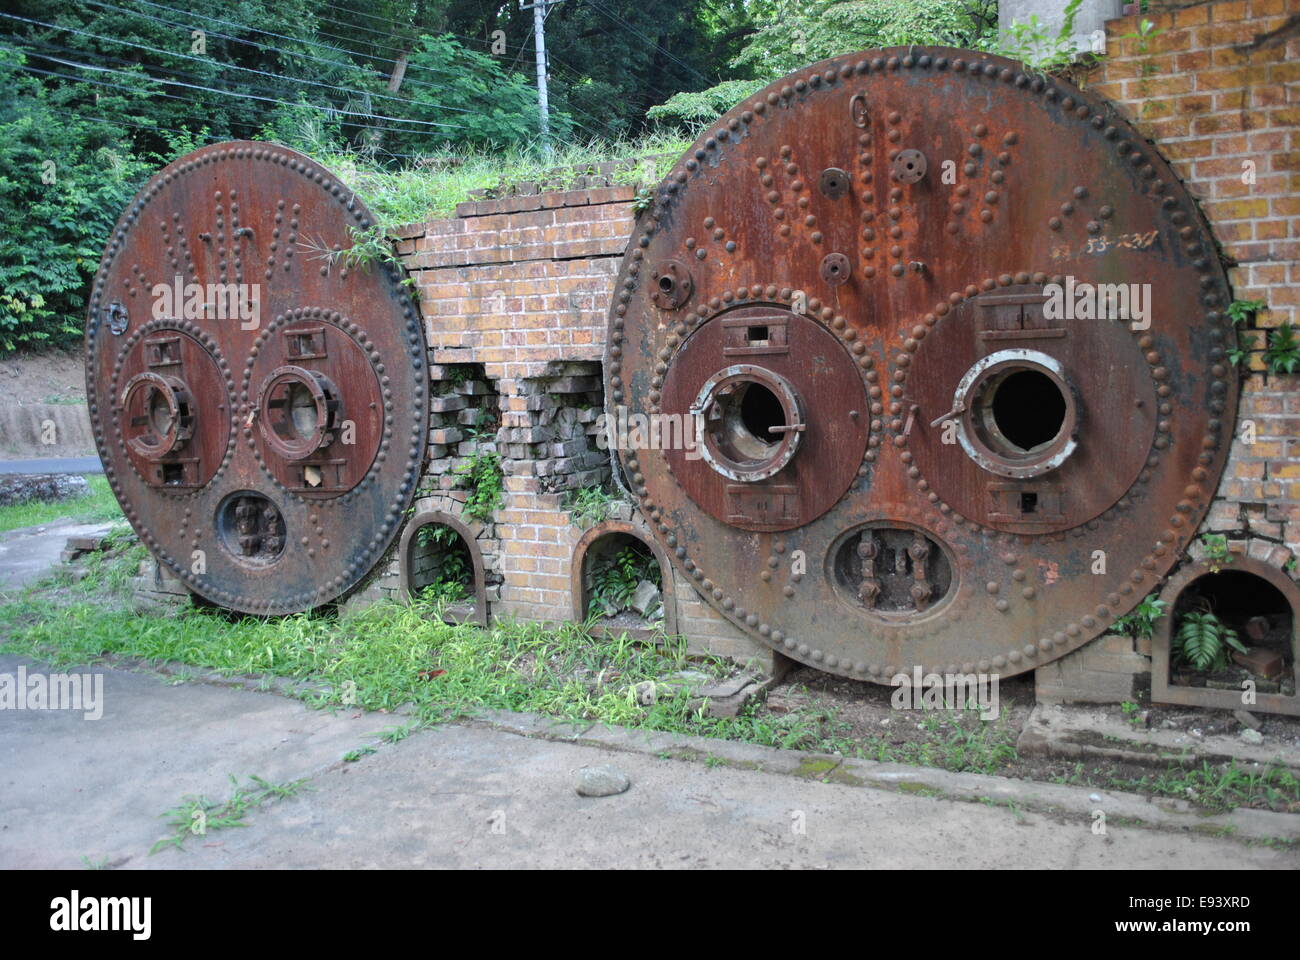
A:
(421, 559)
(600, 541)
(1258, 601)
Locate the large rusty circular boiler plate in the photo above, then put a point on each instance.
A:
(1021, 470)
(259, 403)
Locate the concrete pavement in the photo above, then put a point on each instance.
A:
(471, 796)
(29, 553)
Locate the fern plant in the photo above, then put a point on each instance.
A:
(1202, 641)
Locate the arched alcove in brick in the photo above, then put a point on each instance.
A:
(1239, 590)
(607, 535)
(409, 554)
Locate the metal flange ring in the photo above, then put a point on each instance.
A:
(297, 410)
(730, 445)
(978, 430)
(158, 415)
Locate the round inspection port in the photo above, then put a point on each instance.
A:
(297, 410)
(1020, 416)
(750, 422)
(157, 415)
(250, 528)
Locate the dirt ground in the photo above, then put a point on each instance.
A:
(55, 377)
(862, 712)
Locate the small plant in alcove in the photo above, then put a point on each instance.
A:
(454, 571)
(590, 505)
(1202, 641)
(614, 577)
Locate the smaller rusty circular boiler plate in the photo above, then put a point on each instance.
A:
(260, 404)
(1001, 318)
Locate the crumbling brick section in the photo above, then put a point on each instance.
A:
(551, 431)
(521, 285)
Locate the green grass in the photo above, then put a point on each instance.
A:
(99, 504)
(1220, 787)
(195, 816)
(429, 189)
(390, 654)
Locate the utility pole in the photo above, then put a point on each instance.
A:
(540, 8)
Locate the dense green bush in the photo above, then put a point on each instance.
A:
(63, 183)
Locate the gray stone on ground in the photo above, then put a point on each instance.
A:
(1252, 736)
(46, 487)
(645, 598)
(605, 781)
(1247, 719)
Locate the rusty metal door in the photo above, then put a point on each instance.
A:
(258, 398)
(952, 339)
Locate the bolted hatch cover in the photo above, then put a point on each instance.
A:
(258, 398)
(951, 338)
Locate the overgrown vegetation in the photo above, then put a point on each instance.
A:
(588, 506)
(482, 476)
(1217, 553)
(1220, 787)
(455, 570)
(1140, 622)
(392, 654)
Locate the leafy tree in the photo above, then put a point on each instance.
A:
(63, 182)
(793, 34)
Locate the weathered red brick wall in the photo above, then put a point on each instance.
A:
(521, 286)
(1217, 88)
